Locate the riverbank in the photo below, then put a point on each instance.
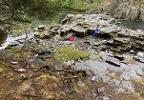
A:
(43, 65)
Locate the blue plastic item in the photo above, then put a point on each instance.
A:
(96, 31)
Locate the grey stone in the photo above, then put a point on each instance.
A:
(140, 54)
(131, 74)
(37, 64)
(104, 56)
(142, 12)
(140, 72)
(127, 86)
(106, 98)
(114, 83)
(122, 40)
(106, 78)
(110, 29)
(46, 34)
(96, 78)
(119, 57)
(143, 69)
(124, 9)
(93, 57)
(113, 61)
(49, 35)
(140, 59)
(83, 24)
(12, 44)
(41, 27)
(78, 29)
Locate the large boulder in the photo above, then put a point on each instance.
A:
(142, 12)
(126, 9)
(46, 33)
(83, 24)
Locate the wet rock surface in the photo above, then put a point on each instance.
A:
(113, 69)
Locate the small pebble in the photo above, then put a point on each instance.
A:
(140, 54)
(106, 98)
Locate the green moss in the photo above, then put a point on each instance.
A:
(47, 77)
(14, 50)
(1, 70)
(81, 5)
(141, 81)
(21, 27)
(2, 67)
(69, 53)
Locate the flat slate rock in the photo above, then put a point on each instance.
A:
(78, 29)
(140, 59)
(110, 29)
(113, 61)
(122, 40)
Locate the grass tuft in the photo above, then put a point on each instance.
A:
(69, 53)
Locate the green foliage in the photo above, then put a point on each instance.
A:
(69, 53)
(23, 9)
(81, 5)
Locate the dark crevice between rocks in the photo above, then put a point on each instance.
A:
(3, 36)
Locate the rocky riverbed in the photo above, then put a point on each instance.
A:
(44, 65)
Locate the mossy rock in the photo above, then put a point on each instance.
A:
(69, 53)
(47, 77)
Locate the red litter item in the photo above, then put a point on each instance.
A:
(72, 38)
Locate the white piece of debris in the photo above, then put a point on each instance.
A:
(22, 70)
(13, 62)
